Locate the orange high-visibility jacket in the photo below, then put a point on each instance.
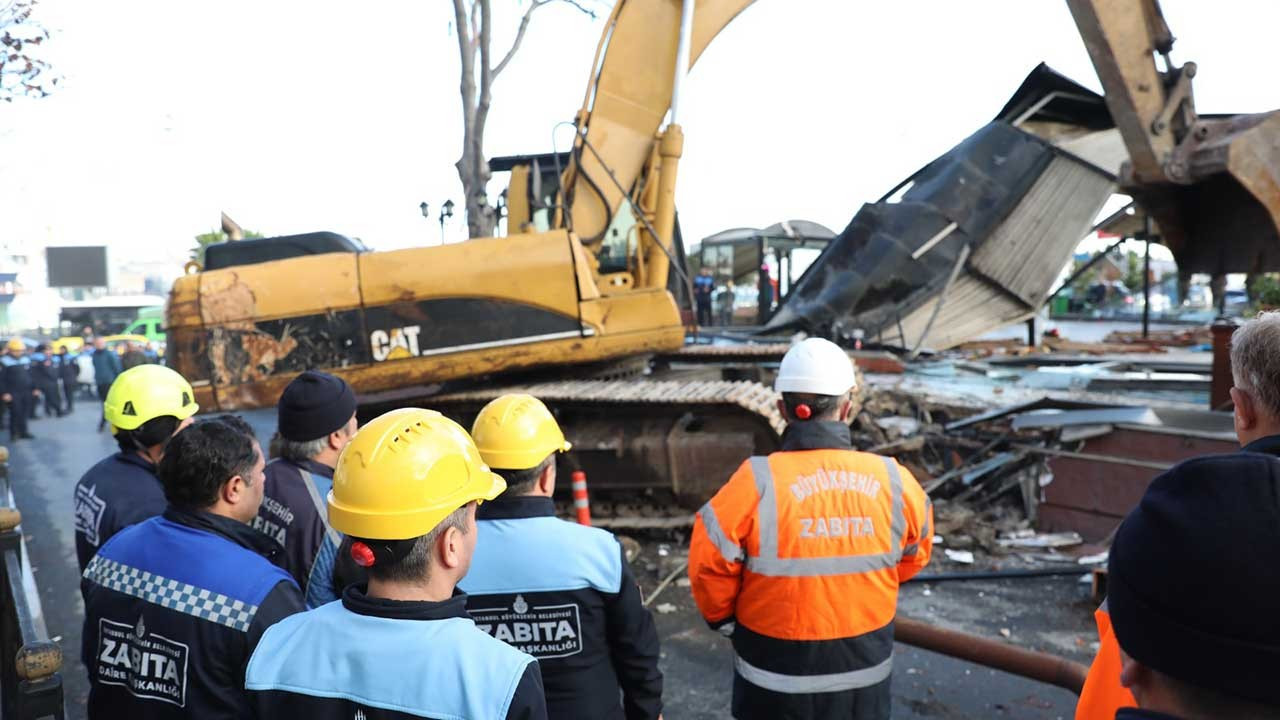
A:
(810, 545)
(1103, 694)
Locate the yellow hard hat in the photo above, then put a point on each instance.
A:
(516, 432)
(147, 392)
(403, 473)
(15, 345)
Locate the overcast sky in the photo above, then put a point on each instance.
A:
(296, 116)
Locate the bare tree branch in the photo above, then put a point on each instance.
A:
(524, 26)
(467, 75)
(474, 22)
(486, 96)
(515, 44)
(21, 72)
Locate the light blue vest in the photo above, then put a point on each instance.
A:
(542, 554)
(428, 668)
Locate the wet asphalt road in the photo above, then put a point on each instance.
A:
(696, 661)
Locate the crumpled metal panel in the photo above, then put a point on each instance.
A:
(867, 278)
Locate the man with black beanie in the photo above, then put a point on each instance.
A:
(1192, 593)
(316, 419)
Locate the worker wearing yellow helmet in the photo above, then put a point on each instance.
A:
(405, 490)
(560, 591)
(16, 388)
(145, 406)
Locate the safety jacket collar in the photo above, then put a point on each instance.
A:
(237, 532)
(817, 435)
(1269, 445)
(314, 467)
(355, 600)
(514, 508)
(133, 458)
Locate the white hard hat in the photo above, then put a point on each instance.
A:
(817, 367)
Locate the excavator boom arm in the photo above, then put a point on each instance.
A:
(1122, 37)
(627, 98)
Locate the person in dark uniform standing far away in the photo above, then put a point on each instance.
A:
(44, 374)
(175, 605)
(703, 286)
(106, 368)
(406, 489)
(146, 407)
(316, 419)
(17, 389)
(799, 556)
(557, 590)
(68, 372)
(1202, 645)
(1255, 395)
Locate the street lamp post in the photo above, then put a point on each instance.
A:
(445, 212)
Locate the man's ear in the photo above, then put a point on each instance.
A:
(1245, 411)
(450, 548)
(1133, 674)
(547, 480)
(233, 490)
(336, 437)
(846, 409)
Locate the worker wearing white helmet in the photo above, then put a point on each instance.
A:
(799, 556)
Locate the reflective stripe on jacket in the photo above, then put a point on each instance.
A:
(1103, 694)
(804, 551)
(173, 608)
(293, 514)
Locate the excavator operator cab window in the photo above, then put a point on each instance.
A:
(619, 241)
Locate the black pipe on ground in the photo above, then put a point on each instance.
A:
(1004, 574)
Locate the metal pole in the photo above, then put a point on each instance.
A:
(682, 57)
(1146, 277)
(992, 653)
(1146, 291)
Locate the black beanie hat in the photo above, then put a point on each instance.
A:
(1194, 583)
(314, 405)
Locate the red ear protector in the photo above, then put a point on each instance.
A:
(367, 553)
(804, 412)
(362, 554)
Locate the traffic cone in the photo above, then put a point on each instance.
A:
(580, 502)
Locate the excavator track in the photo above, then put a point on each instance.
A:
(762, 352)
(646, 439)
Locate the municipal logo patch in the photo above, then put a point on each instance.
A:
(148, 665)
(543, 631)
(89, 509)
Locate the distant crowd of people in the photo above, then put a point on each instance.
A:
(37, 376)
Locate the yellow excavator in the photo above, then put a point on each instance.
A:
(584, 281)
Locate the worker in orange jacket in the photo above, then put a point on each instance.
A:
(1103, 694)
(799, 557)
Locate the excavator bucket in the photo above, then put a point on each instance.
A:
(1226, 219)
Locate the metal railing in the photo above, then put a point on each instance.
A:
(30, 664)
